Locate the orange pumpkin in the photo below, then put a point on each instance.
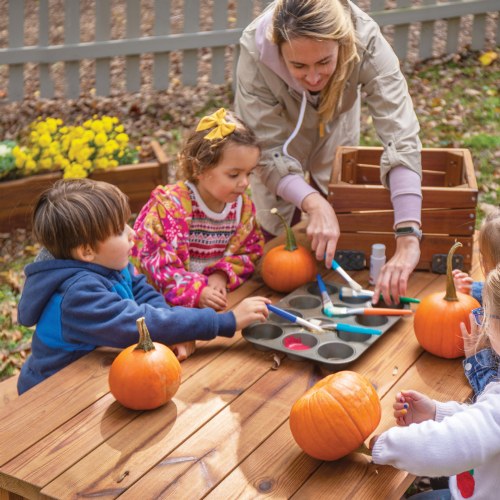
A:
(288, 266)
(437, 319)
(335, 416)
(146, 375)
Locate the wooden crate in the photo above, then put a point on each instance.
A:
(364, 209)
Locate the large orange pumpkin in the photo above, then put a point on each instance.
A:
(335, 416)
(288, 266)
(146, 375)
(437, 319)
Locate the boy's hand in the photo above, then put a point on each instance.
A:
(183, 350)
(473, 341)
(218, 281)
(250, 310)
(412, 407)
(463, 282)
(211, 297)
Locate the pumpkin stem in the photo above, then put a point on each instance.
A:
(145, 343)
(363, 449)
(451, 291)
(291, 243)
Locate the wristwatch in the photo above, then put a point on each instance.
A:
(408, 231)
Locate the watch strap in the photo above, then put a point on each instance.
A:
(408, 231)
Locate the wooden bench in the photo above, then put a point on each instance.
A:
(8, 390)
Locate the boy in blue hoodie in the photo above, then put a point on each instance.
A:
(82, 292)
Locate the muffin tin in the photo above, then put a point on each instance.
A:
(333, 350)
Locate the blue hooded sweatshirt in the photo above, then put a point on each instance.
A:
(78, 306)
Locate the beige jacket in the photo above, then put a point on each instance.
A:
(268, 99)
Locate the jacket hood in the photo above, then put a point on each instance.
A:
(43, 279)
(269, 53)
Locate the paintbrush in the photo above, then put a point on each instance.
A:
(328, 306)
(353, 284)
(341, 327)
(367, 311)
(348, 293)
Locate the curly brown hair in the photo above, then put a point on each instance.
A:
(199, 154)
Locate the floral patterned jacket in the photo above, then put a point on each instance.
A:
(161, 249)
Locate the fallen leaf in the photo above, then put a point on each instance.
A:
(394, 371)
(488, 57)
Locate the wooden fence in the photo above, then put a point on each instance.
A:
(157, 42)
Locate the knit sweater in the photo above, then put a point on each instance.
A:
(170, 231)
(462, 442)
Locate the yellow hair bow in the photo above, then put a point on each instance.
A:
(217, 120)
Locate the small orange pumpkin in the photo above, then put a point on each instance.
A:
(335, 416)
(146, 375)
(288, 266)
(437, 319)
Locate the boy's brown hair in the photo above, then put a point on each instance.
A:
(75, 212)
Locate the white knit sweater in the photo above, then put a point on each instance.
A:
(462, 439)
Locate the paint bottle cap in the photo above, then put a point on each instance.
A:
(378, 250)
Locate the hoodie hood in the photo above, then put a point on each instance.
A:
(269, 53)
(44, 278)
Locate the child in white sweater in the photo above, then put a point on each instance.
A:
(451, 439)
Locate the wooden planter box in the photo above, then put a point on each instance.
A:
(364, 209)
(17, 197)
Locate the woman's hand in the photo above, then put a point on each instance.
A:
(393, 278)
(412, 407)
(322, 228)
(474, 341)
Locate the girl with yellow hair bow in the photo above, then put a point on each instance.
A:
(198, 239)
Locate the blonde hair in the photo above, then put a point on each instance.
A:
(491, 300)
(199, 154)
(75, 212)
(320, 20)
(489, 241)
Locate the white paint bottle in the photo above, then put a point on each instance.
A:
(377, 260)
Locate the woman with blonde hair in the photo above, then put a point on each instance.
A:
(303, 67)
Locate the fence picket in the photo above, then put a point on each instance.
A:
(401, 32)
(72, 37)
(46, 84)
(16, 39)
(218, 53)
(162, 59)
(478, 30)
(133, 30)
(103, 33)
(190, 57)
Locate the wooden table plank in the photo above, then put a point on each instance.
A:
(31, 416)
(150, 437)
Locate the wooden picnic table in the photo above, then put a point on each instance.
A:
(224, 435)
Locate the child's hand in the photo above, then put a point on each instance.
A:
(183, 350)
(412, 407)
(463, 282)
(211, 297)
(473, 341)
(218, 280)
(249, 310)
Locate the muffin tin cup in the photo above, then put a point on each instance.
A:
(332, 349)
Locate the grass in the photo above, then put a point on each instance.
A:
(458, 106)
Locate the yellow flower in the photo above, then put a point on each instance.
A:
(44, 140)
(100, 139)
(122, 138)
(46, 163)
(97, 126)
(102, 163)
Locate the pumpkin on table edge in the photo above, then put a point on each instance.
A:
(146, 375)
(437, 318)
(335, 416)
(288, 266)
